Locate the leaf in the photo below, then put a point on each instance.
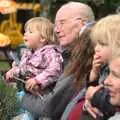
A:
(9, 105)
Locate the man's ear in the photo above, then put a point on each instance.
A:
(83, 22)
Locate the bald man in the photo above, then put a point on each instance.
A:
(69, 20)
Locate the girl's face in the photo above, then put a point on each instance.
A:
(32, 39)
(103, 51)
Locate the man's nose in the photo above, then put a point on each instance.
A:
(57, 28)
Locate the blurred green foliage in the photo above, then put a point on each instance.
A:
(101, 8)
(9, 104)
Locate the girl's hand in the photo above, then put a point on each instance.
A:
(91, 91)
(30, 84)
(9, 75)
(94, 112)
(97, 62)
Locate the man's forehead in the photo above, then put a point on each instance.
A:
(66, 14)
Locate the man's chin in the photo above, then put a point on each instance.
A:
(63, 44)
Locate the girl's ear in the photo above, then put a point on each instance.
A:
(43, 40)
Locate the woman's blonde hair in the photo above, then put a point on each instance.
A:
(44, 26)
(107, 31)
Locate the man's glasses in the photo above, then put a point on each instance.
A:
(63, 22)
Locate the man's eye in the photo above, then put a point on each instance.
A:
(62, 23)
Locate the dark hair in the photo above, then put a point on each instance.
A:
(80, 63)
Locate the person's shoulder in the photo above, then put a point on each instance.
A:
(53, 48)
(115, 117)
(64, 82)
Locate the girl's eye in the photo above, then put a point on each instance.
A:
(27, 30)
(115, 74)
(30, 31)
(102, 43)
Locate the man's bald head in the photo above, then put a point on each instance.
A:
(79, 9)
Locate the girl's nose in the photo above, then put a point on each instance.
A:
(107, 80)
(25, 33)
(97, 48)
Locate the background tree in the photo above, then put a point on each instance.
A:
(101, 8)
(9, 104)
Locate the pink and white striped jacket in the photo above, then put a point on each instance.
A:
(44, 64)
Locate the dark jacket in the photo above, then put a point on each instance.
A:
(53, 104)
(101, 101)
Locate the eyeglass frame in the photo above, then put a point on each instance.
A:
(62, 22)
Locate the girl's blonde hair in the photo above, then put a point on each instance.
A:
(44, 26)
(107, 31)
